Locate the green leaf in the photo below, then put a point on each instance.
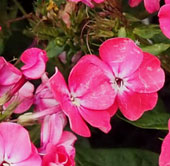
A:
(147, 32)
(53, 49)
(122, 32)
(115, 157)
(155, 119)
(156, 49)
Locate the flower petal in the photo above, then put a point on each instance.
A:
(14, 152)
(152, 5)
(33, 159)
(58, 86)
(149, 77)
(77, 124)
(164, 158)
(167, 1)
(89, 83)
(98, 119)
(133, 105)
(122, 55)
(134, 3)
(2, 149)
(164, 19)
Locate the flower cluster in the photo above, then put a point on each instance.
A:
(123, 76)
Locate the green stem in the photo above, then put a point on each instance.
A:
(20, 7)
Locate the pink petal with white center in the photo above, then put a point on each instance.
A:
(164, 19)
(77, 123)
(149, 78)
(134, 3)
(98, 119)
(9, 73)
(33, 160)
(58, 86)
(133, 105)
(35, 63)
(122, 55)
(88, 82)
(164, 158)
(152, 5)
(167, 1)
(17, 146)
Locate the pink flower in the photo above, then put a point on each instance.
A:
(9, 76)
(164, 158)
(24, 96)
(87, 96)
(135, 76)
(0, 28)
(62, 153)
(164, 19)
(88, 2)
(35, 63)
(16, 149)
(150, 5)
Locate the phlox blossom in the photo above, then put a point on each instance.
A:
(164, 158)
(34, 60)
(150, 5)
(15, 146)
(86, 97)
(164, 18)
(135, 76)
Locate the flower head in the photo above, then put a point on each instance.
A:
(16, 149)
(135, 76)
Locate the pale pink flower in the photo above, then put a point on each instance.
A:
(135, 76)
(9, 76)
(150, 5)
(62, 153)
(88, 2)
(164, 158)
(87, 96)
(164, 19)
(24, 97)
(34, 60)
(15, 146)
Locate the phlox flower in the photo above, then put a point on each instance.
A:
(62, 153)
(135, 76)
(86, 97)
(150, 5)
(57, 146)
(34, 60)
(164, 18)
(164, 158)
(88, 2)
(15, 146)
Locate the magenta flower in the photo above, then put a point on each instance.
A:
(9, 76)
(16, 149)
(164, 19)
(88, 2)
(24, 97)
(87, 96)
(62, 153)
(135, 76)
(34, 60)
(164, 158)
(150, 5)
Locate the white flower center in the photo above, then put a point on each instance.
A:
(75, 101)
